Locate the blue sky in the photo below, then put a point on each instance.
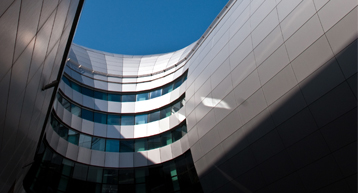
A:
(140, 27)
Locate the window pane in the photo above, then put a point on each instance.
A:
(87, 92)
(184, 77)
(85, 141)
(127, 120)
(176, 134)
(59, 98)
(113, 119)
(76, 110)
(110, 176)
(166, 138)
(110, 188)
(80, 171)
(154, 142)
(128, 98)
(86, 114)
(165, 112)
(140, 175)
(142, 96)
(184, 130)
(126, 176)
(95, 174)
(76, 87)
(65, 80)
(114, 97)
(154, 116)
(156, 93)
(140, 145)
(127, 146)
(168, 89)
(177, 83)
(100, 95)
(63, 131)
(100, 118)
(66, 104)
(73, 137)
(98, 143)
(141, 119)
(67, 167)
(177, 106)
(112, 145)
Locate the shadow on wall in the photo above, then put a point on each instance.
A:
(307, 143)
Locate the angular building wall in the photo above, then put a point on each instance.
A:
(271, 98)
(35, 38)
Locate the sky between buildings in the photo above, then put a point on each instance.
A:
(141, 27)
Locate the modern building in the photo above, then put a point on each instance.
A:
(264, 101)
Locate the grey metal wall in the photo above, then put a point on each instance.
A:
(271, 98)
(34, 36)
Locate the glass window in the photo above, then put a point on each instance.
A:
(154, 142)
(59, 98)
(87, 92)
(177, 83)
(142, 96)
(98, 143)
(141, 119)
(127, 146)
(140, 175)
(184, 77)
(177, 106)
(66, 104)
(126, 176)
(165, 112)
(95, 174)
(155, 93)
(110, 176)
(166, 138)
(73, 137)
(76, 87)
(62, 185)
(65, 80)
(140, 144)
(177, 134)
(67, 167)
(76, 110)
(100, 95)
(127, 120)
(85, 141)
(88, 115)
(114, 97)
(184, 130)
(154, 116)
(110, 188)
(128, 98)
(80, 171)
(63, 131)
(100, 118)
(167, 89)
(112, 145)
(113, 119)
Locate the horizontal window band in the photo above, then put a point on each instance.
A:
(117, 145)
(124, 96)
(120, 118)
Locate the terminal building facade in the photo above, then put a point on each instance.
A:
(264, 101)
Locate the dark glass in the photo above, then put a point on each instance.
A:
(100, 95)
(86, 114)
(128, 98)
(154, 116)
(73, 137)
(177, 83)
(177, 106)
(140, 144)
(127, 146)
(87, 92)
(63, 131)
(85, 141)
(76, 110)
(110, 176)
(65, 80)
(185, 77)
(114, 97)
(142, 96)
(100, 118)
(166, 138)
(167, 89)
(66, 104)
(165, 112)
(126, 176)
(184, 130)
(67, 167)
(141, 119)
(113, 119)
(59, 98)
(98, 144)
(156, 93)
(154, 142)
(127, 120)
(112, 145)
(176, 134)
(80, 171)
(95, 174)
(140, 175)
(109, 188)
(76, 87)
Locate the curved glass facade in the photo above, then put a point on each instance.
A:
(121, 119)
(52, 172)
(126, 97)
(118, 145)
